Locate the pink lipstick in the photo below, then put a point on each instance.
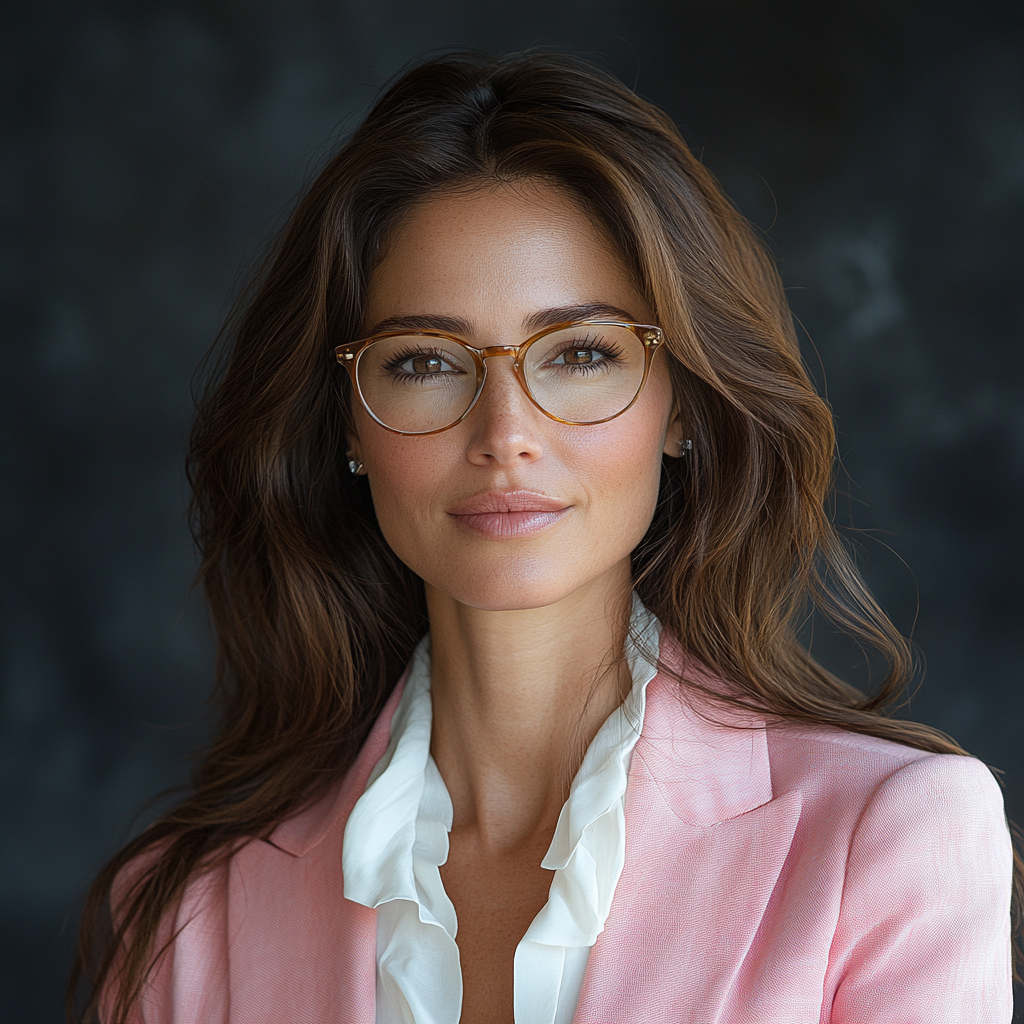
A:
(508, 514)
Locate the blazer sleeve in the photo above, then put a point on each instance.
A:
(924, 926)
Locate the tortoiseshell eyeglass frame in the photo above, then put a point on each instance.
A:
(349, 355)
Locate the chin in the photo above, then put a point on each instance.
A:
(516, 584)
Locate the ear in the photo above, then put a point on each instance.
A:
(674, 434)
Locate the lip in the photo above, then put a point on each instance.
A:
(506, 514)
(508, 501)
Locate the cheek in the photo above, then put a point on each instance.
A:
(405, 476)
(398, 479)
(619, 464)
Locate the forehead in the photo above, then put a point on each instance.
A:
(498, 255)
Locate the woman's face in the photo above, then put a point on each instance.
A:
(493, 260)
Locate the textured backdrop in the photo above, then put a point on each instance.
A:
(149, 150)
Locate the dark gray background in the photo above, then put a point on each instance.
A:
(149, 149)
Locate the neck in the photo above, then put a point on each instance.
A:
(517, 698)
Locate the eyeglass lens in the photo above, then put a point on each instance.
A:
(582, 374)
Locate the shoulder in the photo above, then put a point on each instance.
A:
(840, 764)
(837, 773)
(823, 761)
(924, 876)
(800, 753)
(899, 818)
(909, 859)
(266, 926)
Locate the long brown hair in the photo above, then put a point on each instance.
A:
(314, 614)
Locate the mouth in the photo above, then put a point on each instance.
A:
(507, 514)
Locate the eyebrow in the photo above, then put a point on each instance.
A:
(563, 314)
(533, 323)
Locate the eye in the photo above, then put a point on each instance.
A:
(586, 355)
(578, 356)
(419, 363)
(425, 364)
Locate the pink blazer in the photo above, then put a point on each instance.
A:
(779, 874)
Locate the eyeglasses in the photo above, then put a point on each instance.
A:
(580, 373)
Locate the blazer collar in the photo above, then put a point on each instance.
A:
(709, 760)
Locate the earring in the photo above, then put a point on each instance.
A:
(354, 466)
(685, 446)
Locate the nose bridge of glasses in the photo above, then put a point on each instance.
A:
(512, 351)
(514, 376)
(499, 350)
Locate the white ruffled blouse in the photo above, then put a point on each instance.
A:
(396, 839)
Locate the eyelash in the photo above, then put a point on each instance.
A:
(413, 353)
(609, 351)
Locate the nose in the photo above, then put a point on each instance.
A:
(505, 427)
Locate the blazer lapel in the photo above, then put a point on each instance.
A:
(706, 840)
(298, 950)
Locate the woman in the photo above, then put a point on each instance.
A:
(570, 476)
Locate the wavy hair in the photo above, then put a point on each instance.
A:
(315, 616)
